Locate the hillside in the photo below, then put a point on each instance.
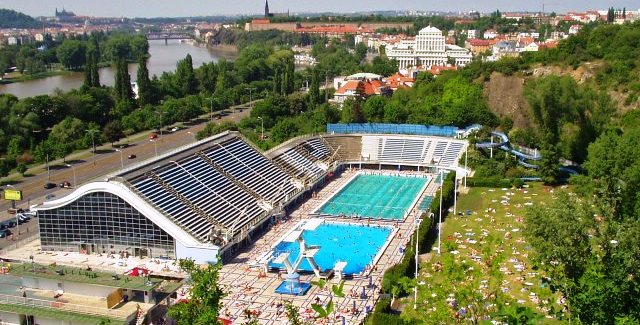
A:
(13, 19)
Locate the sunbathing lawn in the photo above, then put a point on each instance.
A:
(491, 235)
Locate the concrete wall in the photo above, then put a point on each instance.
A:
(200, 255)
(9, 318)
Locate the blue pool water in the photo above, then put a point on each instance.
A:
(375, 196)
(355, 244)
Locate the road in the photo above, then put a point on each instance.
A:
(107, 160)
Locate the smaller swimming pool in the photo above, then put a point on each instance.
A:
(358, 245)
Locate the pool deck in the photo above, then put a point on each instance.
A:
(247, 290)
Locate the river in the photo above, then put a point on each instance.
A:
(163, 59)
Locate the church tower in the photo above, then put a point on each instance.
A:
(266, 9)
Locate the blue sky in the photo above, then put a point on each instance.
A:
(171, 8)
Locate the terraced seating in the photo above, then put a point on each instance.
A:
(205, 189)
(452, 153)
(252, 169)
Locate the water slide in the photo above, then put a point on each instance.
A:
(503, 144)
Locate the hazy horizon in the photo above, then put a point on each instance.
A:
(187, 8)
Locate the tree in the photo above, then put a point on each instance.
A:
(145, 88)
(283, 130)
(611, 15)
(314, 88)
(22, 169)
(71, 53)
(113, 131)
(91, 75)
(206, 295)
(185, 78)
(122, 87)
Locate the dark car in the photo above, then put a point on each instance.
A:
(8, 224)
(5, 233)
(49, 185)
(132, 156)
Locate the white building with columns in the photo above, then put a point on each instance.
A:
(427, 49)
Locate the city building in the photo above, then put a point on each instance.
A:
(360, 84)
(35, 293)
(427, 49)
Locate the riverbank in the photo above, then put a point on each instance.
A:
(14, 77)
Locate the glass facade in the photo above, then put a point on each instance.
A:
(103, 223)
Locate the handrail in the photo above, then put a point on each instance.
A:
(63, 306)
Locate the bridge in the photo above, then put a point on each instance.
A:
(168, 35)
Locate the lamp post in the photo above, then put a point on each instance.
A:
(121, 158)
(210, 109)
(74, 174)
(155, 146)
(159, 113)
(440, 215)
(262, 124)
(250, 98)
(48, 169)
(93, 143)
(415, 289)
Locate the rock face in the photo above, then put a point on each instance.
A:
(505, 98)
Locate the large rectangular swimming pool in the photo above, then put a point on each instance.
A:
(358, 245)
(375, 196)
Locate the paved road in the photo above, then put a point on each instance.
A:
(106, 161)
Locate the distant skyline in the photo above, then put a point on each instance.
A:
(185, 8)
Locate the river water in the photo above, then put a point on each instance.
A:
(163, 58)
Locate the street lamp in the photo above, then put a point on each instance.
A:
(415, 289)
(440, 207)
(155, 145)
(121, 159)
(262, 123)
(210, 109)
(250, 98)
(93, 143)
(159, 112)
(74, 174)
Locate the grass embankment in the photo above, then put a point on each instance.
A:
(18, 77)
(484, 271)
(72, 274)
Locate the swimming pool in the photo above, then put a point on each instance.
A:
(376, 196)
(358, 245)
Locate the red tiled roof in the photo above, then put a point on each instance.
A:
(371, 87)
(333, 30)
(261, 21)
(480, 42)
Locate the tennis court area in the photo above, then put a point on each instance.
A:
(375, 196)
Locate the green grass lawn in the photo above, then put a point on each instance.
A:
(485, 261)
(82, 276)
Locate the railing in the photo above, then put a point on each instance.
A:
(62, 306)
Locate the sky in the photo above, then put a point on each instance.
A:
(185, 8)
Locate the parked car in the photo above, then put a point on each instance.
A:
(175, 129)
(49, 185)
(131, 156)
(50, 196)
(5, 233)
(24, 217)
(8, 224)
(153, 136)
(65, 184)
(29, 213)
